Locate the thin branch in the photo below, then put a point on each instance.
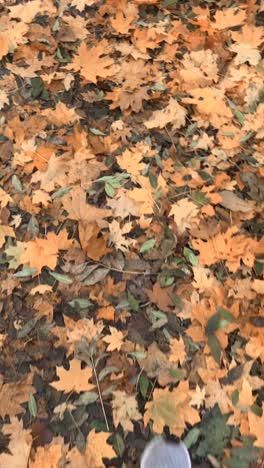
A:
(99, 392)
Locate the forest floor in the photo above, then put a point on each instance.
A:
(131, 231)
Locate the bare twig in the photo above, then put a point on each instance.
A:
(99, 392)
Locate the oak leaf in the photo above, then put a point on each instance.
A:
(125, 409)
(73, 380)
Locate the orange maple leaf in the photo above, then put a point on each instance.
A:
(39, 253)
(228, 247)
(97, 448)
(73, 380)
(93, 63)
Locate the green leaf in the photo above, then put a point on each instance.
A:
(215, 348)
(190, 256)
(212, 324)
(226, 315)
(215, 433)
(96, 131)
(200, 198)
(246, 137)
(118, 444)
(192, 437)
(36, 87)
(132, 301)
(60, 278)
(27, 271)
(32, 406)
(16, 183)
(138, 354)
(148, 245)
(109, 190)
(177, 373)
(56, 26)
(169, 3)
(153, 180)
(143, 385)
(86, 398)
(61, 192)
(240, 117)
(106, 371)
(80, 303)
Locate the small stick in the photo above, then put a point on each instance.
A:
(100, 395)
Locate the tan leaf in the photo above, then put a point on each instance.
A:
(93, 63)
(3, 99)
(232, 202)
(73, 380)
(12, 395)
(160, 296)
(81, 4)
(115, 340)
(49, 456)
(125, 409)
(256, 424)
(177, 350)
(173, 114)
(183, 211)
(19, 446)
(117, 235)
(40, 289)
(97, 448)
(5, 231)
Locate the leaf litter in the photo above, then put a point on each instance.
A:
(131, 231)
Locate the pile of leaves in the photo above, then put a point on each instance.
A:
(131, 224)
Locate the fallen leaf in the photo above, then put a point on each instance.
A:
(19, 446)
(73, 380)
(125, 409)
(97, 448)
(171, 409)
(173, 114)
(115, 340)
